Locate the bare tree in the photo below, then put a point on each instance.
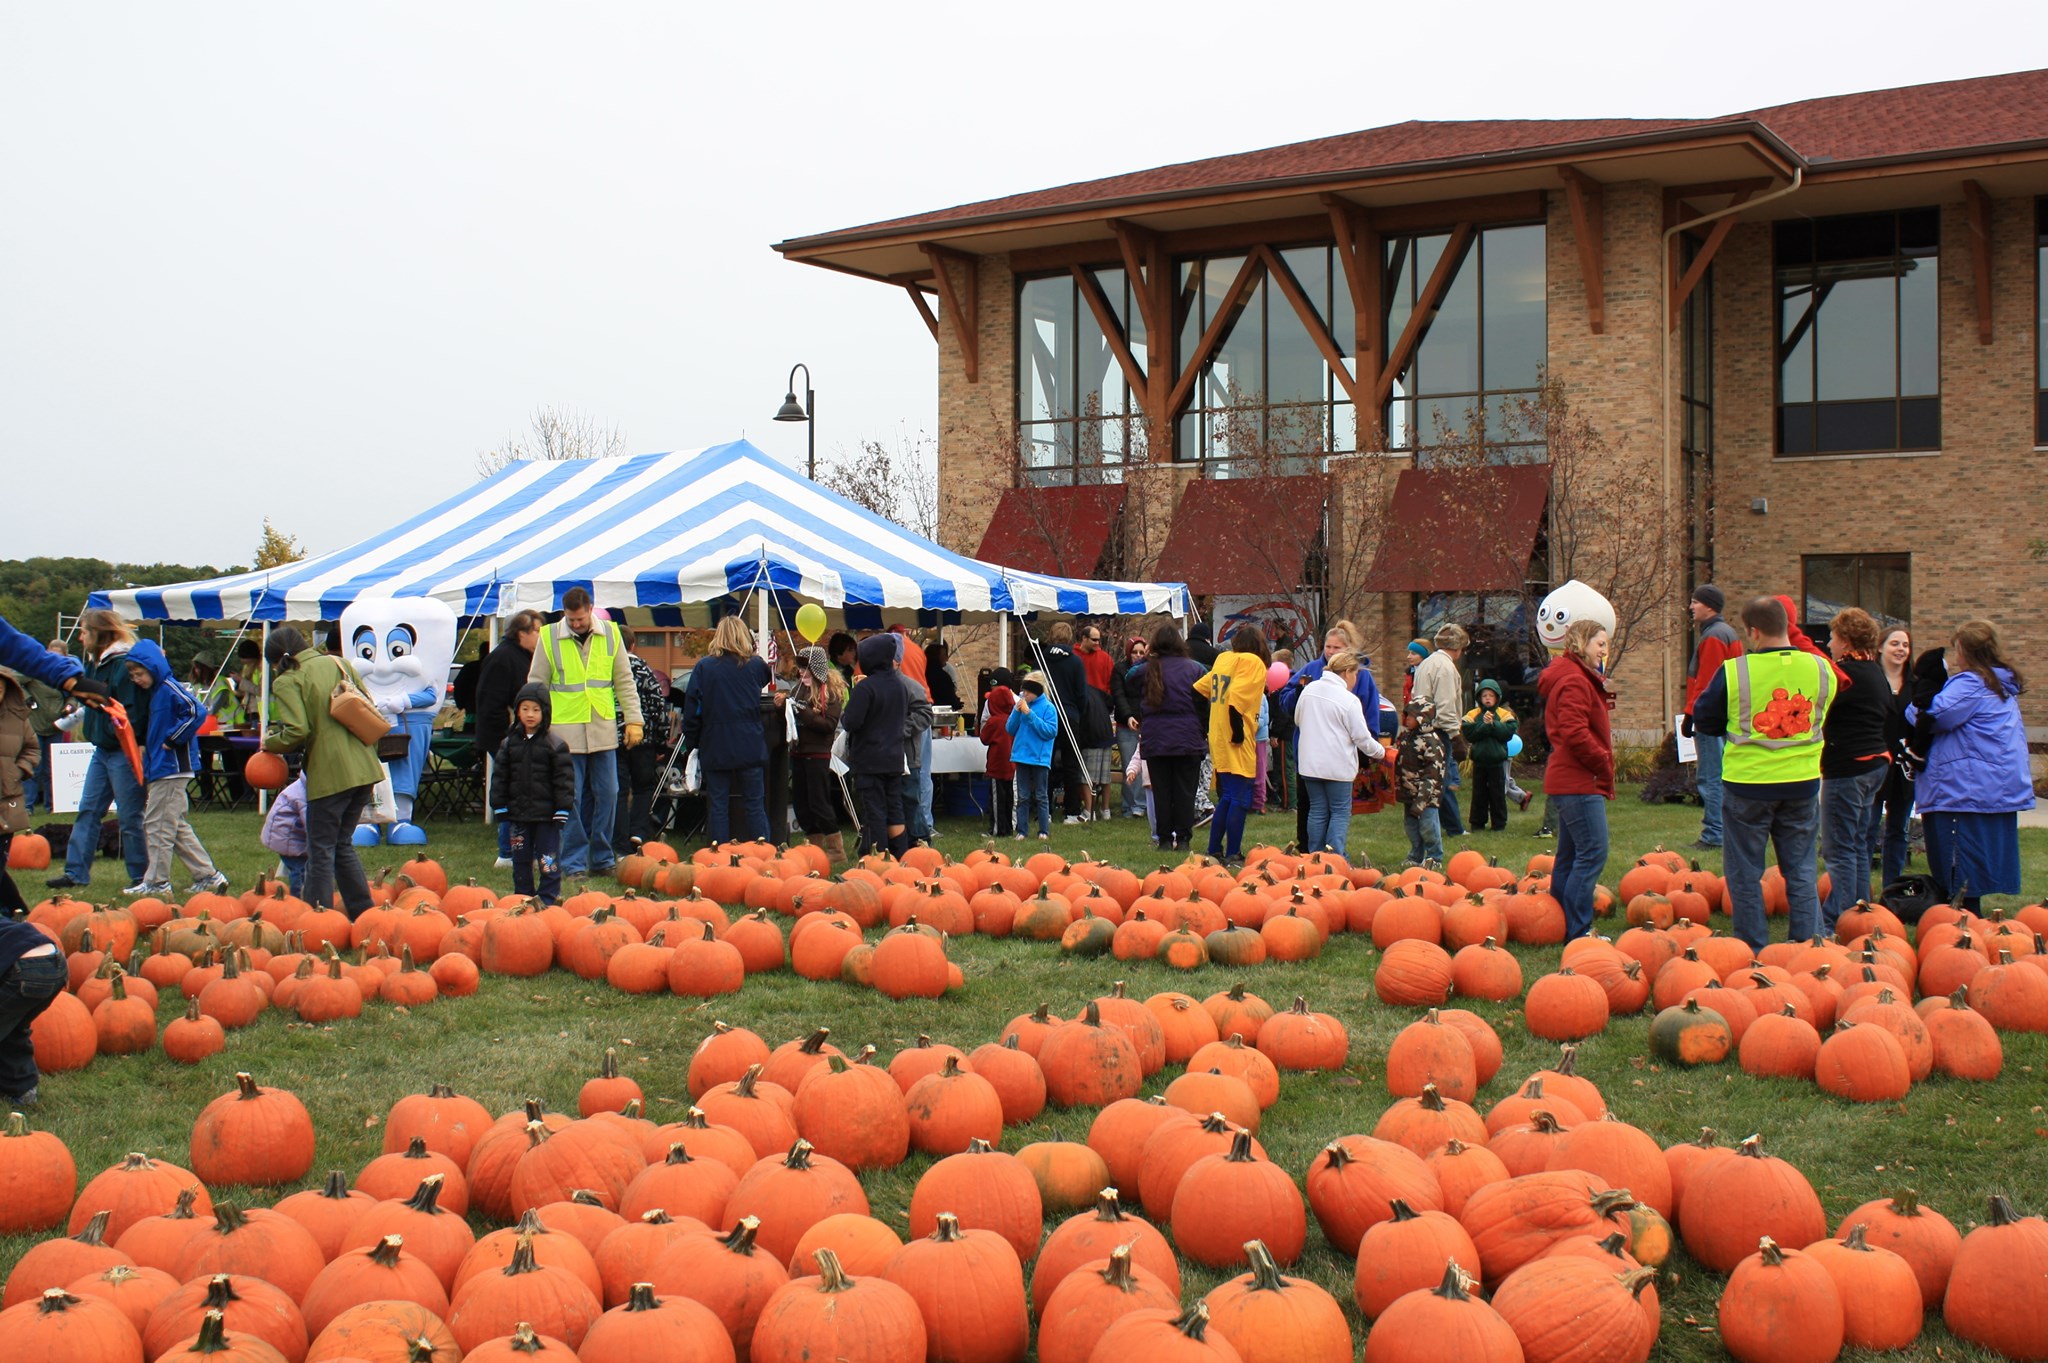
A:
(555, 435)
(899, 483)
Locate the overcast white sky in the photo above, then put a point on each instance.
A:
(307, 261)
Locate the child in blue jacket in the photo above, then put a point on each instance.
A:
(1033, 726)
(170, 757)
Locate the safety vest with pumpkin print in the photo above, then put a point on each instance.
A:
(580, 682)
(1777, 703)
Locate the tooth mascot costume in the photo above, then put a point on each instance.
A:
(1572, 602)
(403, 647)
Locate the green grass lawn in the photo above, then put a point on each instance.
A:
(1954, 1142)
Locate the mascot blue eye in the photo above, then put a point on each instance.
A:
(400, 641)
(364, 641)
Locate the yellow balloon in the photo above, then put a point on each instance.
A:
(810, 621)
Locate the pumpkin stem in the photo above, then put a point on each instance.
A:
(385, 1251)
(1772, 1254)
(1615, 1244)
(220, 1292)
(1611, 1201)
(1241, 1147)
(740, 1239)
(56, 1299)
(212, 1338)
(1265, 1273)
(952, 1068)
(1568, 1061)
(1545, 1122)
(799, 1155)
(1751, 1147)
(1452, 1288)
(2002, 1213)
(1906, 1202)
(1454, 1147)
(536, 1132)
(744, 1088)
(522, 1257)
(1430, 1100)
(831, 1277)
(1091, 1015)
(1236, 994)
(121, 988)
(641, 1297)
(1855, 1238)
(1635, 1280)
(228, 1218)
(1338, 1155)
(587, 1197)
(1194, 1322)
(94, 1231)
(1401, 1210)
(609, 1068)
(1117, 1273)
(948, 1230)
(1109, 1206)
(428, 1194)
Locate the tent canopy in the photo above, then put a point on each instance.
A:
(691, 531)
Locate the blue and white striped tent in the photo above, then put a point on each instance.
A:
(687, 535)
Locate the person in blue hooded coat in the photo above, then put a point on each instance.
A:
(1339, 638)
(1976, 780)
(170, 758)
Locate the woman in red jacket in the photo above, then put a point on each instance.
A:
(1579, 781)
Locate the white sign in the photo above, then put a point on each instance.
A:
(68, 762)
(1688, 751)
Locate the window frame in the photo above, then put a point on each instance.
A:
(1900, 561)
(2041, 322)
(1068, 467)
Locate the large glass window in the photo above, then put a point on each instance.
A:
(1077, 419)
(1483, 348)
(1880, 583)
(1696, 407)
(2041, 321)
(1859, 341)
(1267, 400)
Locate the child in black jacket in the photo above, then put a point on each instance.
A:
(533, 784)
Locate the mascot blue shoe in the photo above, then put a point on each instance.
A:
(404, 834)
(367, 835)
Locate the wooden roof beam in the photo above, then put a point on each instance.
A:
(1681, 289)
(1247, 275)
(1359, 249)
(1112, 329)
(961, 304)
(924, 309)
(1587, 200)
(1979, 204)
(1426, 306)
(1318, 329)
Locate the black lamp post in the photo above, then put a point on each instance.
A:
(807, 413)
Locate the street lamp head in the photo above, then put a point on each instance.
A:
(792, 410)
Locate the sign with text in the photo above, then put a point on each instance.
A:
(68, 762)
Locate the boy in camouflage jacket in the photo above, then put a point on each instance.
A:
(1419, 772)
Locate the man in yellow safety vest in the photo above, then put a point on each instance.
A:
(582, 662)
(1770, 704)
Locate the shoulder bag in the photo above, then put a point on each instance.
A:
(354, 711)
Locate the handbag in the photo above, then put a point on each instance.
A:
(353, 710)
(394, 747)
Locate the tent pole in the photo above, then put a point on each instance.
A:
(263, 716)
(487, 757)
(1003, 639)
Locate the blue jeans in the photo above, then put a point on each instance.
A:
(26, 988)
(535, 844)
(587, 841)
(35, 787)
(1329, 814)
(108, 780)
(1034, 795)
(1845, 805)
(923, 775)
(1789, 826)
(1581, 857)
(1425, 834)
(719, 786)
(1448, 817)
(1708, 778)
(1134, 791)
(295, 872)
(505, 839)
(1226, 824)
(1889, 813)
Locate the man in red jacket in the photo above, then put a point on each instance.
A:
(1718, 643)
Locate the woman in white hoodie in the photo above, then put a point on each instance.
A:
(1332, 729)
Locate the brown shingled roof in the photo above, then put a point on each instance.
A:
(1908, 122)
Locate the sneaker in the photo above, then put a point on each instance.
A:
(1543, 832)
(502, 864)
(213, 884)
(1527, 796)
(1703, 845)
(1045, 837)
(1432, 864)
(66, 883)
(1020, 837)
(1075, 818)
(18, 1100)
(154, 889)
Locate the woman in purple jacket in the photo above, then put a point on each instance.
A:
(1977, 778)
(1173, 733)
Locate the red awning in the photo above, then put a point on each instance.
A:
(1463, 530)
(1244, 536)
(1060, 531)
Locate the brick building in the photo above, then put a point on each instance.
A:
(1806, 346)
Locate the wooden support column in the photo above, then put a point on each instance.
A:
(1586, 198)
(961, 303)
(924, 309)
(1146, 262)
(1360, 250)
(1681, 289)
(1979, 204)
(1247, 275)
(1112, 330)
(1318, 329)
(1432, 298)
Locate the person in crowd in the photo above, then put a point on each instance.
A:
(1129, 697)
(1854, 762)
(1417, 650)
(1419, 761)
(1977, 778)
(581, 659)
(533, 784)
(913, 665)
(1342, 637)
(104, 639)
(1262, 751)
(998, 701)
(1331, 734)
(722, 725)
(169, 760)
(20, 755)
(1578, 780)
(843, 649)
(640, 764)
(284, 832)
(340, 769)
(47, 708)
(504, 672)
(1094, 720)
(1066, 680)
(1202, 644)
(876, 721)
(1034, 729)
(1893, 807)
(820, 700)
(1487, 727)
(1235, 687)
(1438, 681)
(1171, 734)
(1772, 704)
(1717, 643)
(940, 676)
(235, 696)
(463, 690)
(32, 969)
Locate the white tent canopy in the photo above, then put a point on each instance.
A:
(689, 532)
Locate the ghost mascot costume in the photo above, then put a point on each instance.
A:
(403, 647)
(1572, 602)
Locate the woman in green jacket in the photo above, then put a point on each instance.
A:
(341, 769)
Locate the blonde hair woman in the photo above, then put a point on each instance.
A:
(820, 699)
(104, 639)
(722, 723)
(1579, 781)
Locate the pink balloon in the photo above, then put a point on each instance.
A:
(1277, 676)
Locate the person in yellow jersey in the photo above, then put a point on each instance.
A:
(581, 659)
(1235, 688)
(1770, 704)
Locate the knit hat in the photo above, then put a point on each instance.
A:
(1710, 596)
(1419, 647)
(1033, 683)
(814, 661)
